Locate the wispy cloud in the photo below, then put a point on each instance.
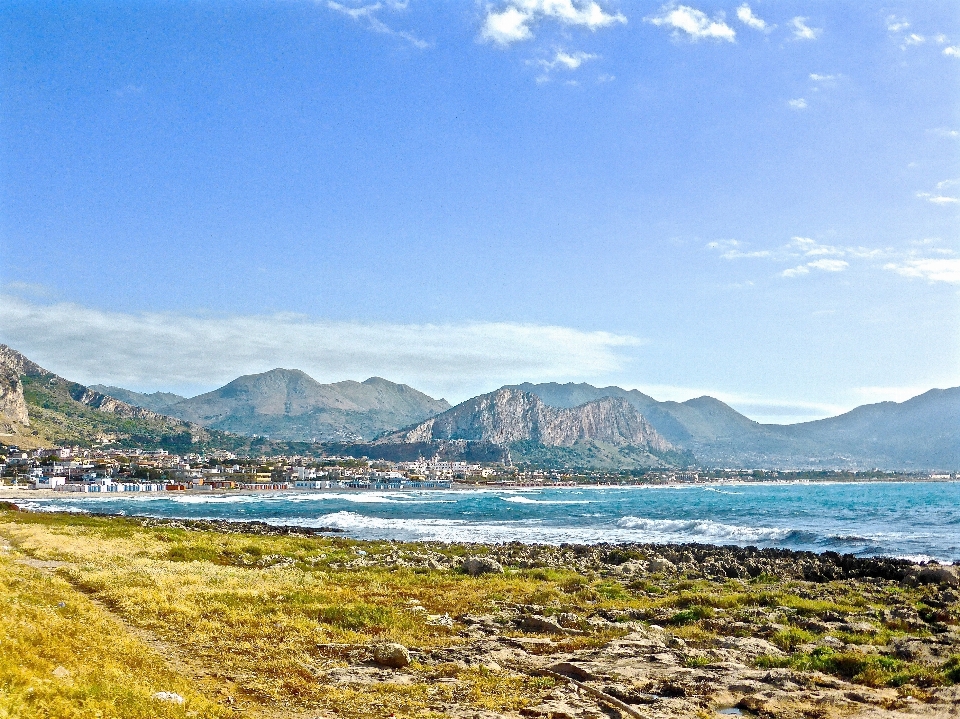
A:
(946, 132)
(513, 22)
(566, 61)
(817, 77)
(897, 24)
(196, 352)
(694, 23)
(802, 31)
(923, 258)
(799, 103)
(822, 265)
(732, 250)
(369, 15)
(829, 265)
(938, 269)
(939, 196)
(747, 17)
(952, 51)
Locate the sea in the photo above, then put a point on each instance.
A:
(915, 520)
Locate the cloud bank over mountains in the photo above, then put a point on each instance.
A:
(190, 353)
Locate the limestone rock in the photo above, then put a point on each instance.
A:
(391, 654)
(475, 566)
(659, 564)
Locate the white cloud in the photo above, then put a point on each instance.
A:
(897, 24)
(507, 26)
(938, 198)
(368, 14)
(953, 51)
(193, 353)
(817, 77)
(731, 250)
(823, 265)
(913, 39)
(746, 16)
(568, 61)
(512, 23)
(802, 31)
(694, 23)
(829, 265)
(922, 258)
(798, 104)
(937, 269)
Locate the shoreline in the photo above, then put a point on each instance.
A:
(628, 519)
(707, 560)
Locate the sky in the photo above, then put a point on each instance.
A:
(757, 201)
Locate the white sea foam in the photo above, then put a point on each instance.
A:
(520, 499)
(704, 529)
(895, 519)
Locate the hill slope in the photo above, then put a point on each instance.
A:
(158, 402)
(41, 408)
(290, 405)
(921, 433)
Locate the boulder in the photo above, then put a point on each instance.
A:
(544, 625)
(475, 566)
(391, 654)
(938, 575)
(659, 564)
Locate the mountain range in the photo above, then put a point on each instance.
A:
(572, 425)
(920, 433)
(290, 405)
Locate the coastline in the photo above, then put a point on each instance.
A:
(915, 521)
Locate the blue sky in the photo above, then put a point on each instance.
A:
(757, 201)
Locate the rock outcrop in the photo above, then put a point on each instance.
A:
(508, 415)
(13, 406)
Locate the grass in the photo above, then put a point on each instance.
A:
(62, 656)
(868, 669)
(250, 611)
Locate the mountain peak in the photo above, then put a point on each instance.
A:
(509, 415)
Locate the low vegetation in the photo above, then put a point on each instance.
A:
(106, 612)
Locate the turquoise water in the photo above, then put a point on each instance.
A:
(919, 520)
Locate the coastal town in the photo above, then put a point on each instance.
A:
(75, 469)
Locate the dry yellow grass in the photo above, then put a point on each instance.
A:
(62, 656)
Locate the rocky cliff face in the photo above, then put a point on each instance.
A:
(13, 407)
(508, 415)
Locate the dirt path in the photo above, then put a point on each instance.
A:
(215, 687)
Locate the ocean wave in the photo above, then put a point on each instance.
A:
(520, 499)
(705, 529)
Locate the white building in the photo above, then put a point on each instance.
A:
(42, 482)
